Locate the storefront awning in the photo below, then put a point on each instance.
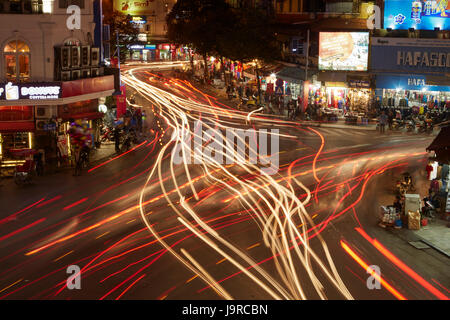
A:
(437, 80)
(16, 126)
(86, 115)
(71, 91)
(441, 145)
(292, 74)
(332, 76)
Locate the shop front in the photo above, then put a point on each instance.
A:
(342, 94)
(35, 115)
(411, 73)
(17, 127)
(410, 91)
(165, 52)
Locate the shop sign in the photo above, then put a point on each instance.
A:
(135, 7)
(150, 46)
(406, 54)
(279, 91)
(140, 20)
(136, 47)
(357, 83)
(32, 91)
(407, 82)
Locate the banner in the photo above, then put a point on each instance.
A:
(420, 15)
(135, 7)
(121, 102)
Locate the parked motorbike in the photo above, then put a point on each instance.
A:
(106, 134)
(398, 124)
(410, 125)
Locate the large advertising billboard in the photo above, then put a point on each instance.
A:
(346, 51)
(135, 7)
(417, 14)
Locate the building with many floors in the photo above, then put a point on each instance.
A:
(50, 71)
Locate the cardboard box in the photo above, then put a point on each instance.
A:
(413, 220)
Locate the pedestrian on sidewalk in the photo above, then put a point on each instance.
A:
(116, 134)
(383, 121)
(429, 169)
(445, 176)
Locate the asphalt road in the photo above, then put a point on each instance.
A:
(94, 221)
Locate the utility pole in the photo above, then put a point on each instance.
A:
(118, 55)
(307, 55)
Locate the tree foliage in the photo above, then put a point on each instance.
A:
(213, 27)
(128, 32)
(199, 23)
(252, 37)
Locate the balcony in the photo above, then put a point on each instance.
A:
(21, 6)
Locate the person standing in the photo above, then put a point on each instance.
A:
(429, 169)
(390, 119)
(445, 176)
(383, 121)
(116, 134)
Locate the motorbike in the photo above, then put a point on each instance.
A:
(431, 206)
(429, 126)
(25, 172)
(106, 134)
(398, 124)
(410, 126)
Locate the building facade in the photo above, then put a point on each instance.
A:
(149, 16)
(50, 72)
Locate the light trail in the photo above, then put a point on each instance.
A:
(365, 266)
(383, 250)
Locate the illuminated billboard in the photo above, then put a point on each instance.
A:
(420, 15)
(347, 51)
(135, 7)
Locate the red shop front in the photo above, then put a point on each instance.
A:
(17, 128)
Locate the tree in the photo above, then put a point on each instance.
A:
(128, 32)
(252, 38)
(198, 24)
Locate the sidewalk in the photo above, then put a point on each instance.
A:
(97, 156)
(435, 235)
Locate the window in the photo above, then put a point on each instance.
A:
(63, 4)
(17, 61)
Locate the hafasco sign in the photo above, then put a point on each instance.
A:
(32, 91)
(416, 82)
(419, 59)
(410, 54)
